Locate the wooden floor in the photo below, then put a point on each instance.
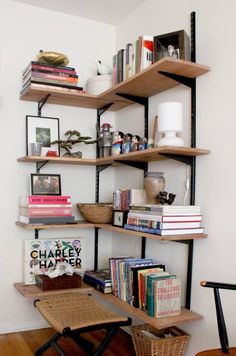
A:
(26, 342)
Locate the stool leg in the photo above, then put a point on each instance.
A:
(51, 342)
(106, 341)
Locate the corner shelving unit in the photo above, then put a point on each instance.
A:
(162, 75)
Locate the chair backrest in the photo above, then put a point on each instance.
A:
(219, 311)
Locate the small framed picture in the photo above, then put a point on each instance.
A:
(45, 184)
(119, 218)
(40, 131)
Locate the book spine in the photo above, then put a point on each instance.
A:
(147, 52)
(53, 69)
(47, 199)
(120, 65)
(29, 206)
(128, 60)
(51, 78)
(46, 220)
(48, 66)
(114, 69)
(102, 283)
(45, 212)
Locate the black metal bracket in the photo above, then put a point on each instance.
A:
(36, 233)
(180, 158)
(136, 99)
(103, 109)
(40, 165)
(189, 82)
(41, 104)
(135, 164)
(102, 167)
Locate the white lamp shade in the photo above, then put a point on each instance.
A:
(170, 117)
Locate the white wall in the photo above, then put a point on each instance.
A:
(24, 30)
(214, 257)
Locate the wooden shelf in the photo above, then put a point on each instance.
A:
(146, 83)
(121, 230)
(185, 316)
(32, 291)
(108, 227)
(78, 225)
(148, 155)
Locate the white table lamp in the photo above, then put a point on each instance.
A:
(170, 122)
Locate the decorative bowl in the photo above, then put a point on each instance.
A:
(97, 212)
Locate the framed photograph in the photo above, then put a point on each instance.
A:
(174, 44)
(45, 184)
(40, 131)
(119, 218)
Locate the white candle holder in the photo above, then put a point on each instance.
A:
(170, 122)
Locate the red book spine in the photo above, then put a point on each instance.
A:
(54, 76)
(47, 199)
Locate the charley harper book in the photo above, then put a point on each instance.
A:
(40, 255)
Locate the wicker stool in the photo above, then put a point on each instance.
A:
(73, 314)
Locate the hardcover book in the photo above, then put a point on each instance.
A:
(40, 255)
(167, 297)
(44, 199)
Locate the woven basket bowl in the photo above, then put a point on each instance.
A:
(148, 346)
(96, 213)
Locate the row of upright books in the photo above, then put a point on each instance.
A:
(130, 60)
(165, 219)
(45, 209)
(144, 284)
(48, 74)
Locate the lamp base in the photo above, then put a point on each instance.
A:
(170, 139)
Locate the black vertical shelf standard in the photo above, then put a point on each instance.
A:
(191, 161)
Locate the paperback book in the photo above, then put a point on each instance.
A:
(40, 255)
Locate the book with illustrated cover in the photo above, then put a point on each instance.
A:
(167, 297)
(40, 255)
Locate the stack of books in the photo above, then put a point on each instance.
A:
(144, 284)
(165, 219)
(123, 198)
(45, 209)
(47, 74)
(100, 279)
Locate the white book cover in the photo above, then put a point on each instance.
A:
(146, 52)
(40, 255)
(167, 297)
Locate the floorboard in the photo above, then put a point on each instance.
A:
(26, 342)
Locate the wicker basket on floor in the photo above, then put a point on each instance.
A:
(97, 212)
(146, 344)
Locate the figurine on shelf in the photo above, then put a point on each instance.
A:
(143, 143)
(104, 140)
(135, 143)
(166, 198)
(127, 143)
(118, 138)
(74, 137)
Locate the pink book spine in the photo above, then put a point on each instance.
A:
(46, 199)
(45, 211)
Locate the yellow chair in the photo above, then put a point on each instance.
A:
(225, 349)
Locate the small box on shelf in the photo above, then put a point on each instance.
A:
(46, 283)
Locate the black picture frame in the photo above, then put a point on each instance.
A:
(45, 184)
(180, 42)
(119, 218)
(42, 129)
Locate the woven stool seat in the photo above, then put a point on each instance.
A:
(73, 314)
